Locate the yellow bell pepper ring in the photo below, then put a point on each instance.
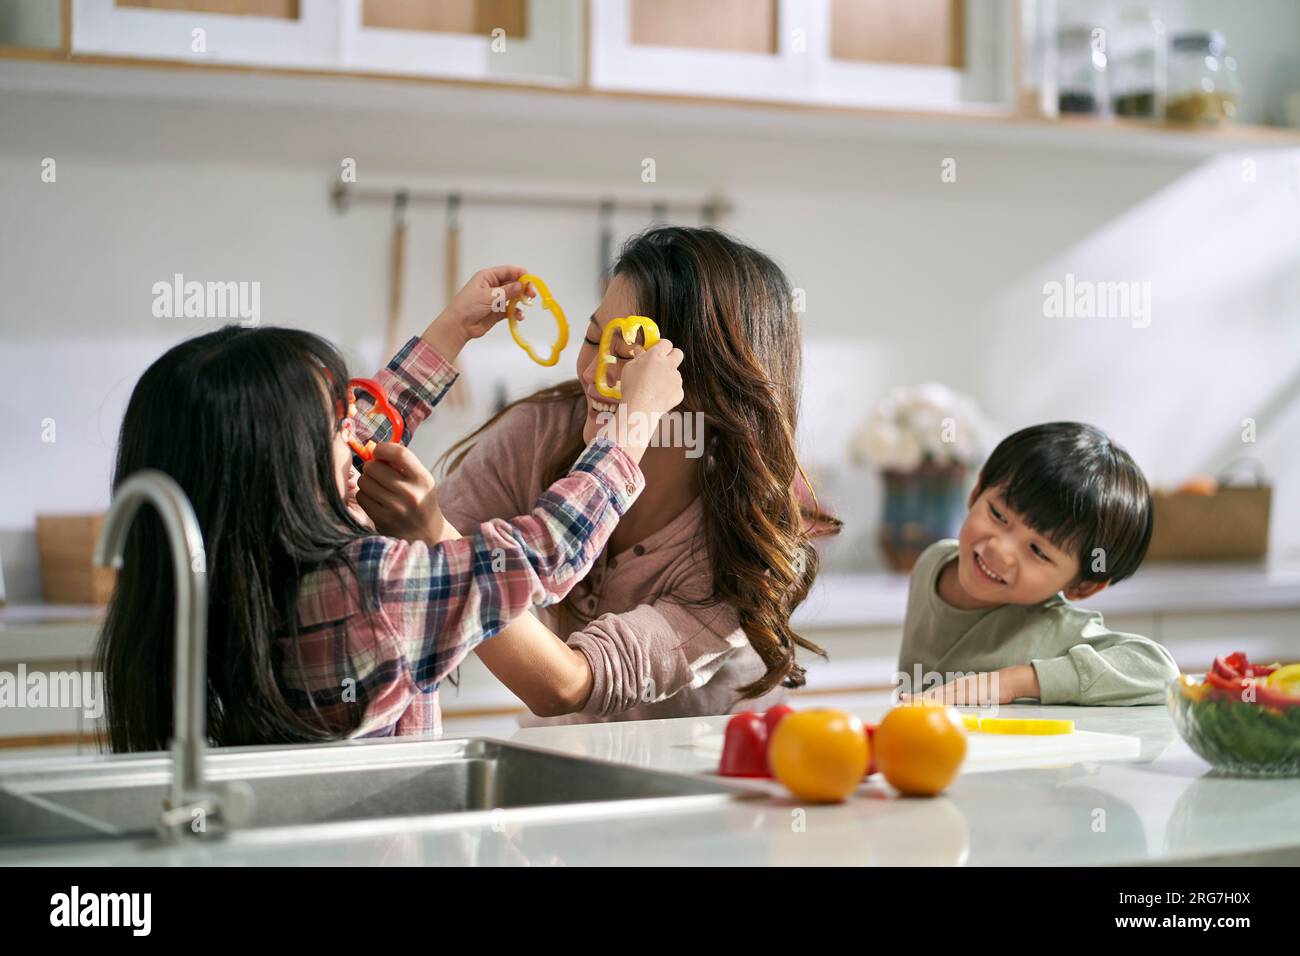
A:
(1017, 725)
(551, 306)
(629, 325)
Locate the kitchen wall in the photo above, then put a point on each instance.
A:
(907, 278)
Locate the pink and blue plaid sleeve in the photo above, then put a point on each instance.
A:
(445, 599)
(414, 381)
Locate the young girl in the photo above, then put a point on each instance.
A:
(318, 628)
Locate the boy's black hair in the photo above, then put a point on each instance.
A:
(1070, 482)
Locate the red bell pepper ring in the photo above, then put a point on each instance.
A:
(366, 452)
(1235, 678)
(1236, 664)
(744, 748)
(871, 748)
(1228, 667)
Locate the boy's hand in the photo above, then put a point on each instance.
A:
(477, 307)
(975, 690)
(400, 496)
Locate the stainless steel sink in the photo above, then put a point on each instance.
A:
(333, 783)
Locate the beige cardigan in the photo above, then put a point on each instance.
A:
(653, 653)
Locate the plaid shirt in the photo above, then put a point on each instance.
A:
(378, 643)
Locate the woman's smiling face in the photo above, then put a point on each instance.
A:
(619, 301)
(1004, 561)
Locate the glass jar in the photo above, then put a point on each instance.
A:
(1138, 65)
(1081, 70)
(1203, 82)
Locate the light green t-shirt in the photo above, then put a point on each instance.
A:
(1078, 660)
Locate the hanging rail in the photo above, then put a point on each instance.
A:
(344, 195)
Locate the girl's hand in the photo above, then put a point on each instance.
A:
(400, 496)
(651, 385)
(652, 382)
(477, 307)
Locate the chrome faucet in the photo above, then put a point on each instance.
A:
(194, 806)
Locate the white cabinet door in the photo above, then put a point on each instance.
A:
(549, 51)
(308, 41)
(801, 66)
(619, 63)
(983, 78)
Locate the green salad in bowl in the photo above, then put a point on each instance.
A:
(1243, 718)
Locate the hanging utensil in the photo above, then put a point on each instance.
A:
(606, 244)
(396, 261)
(458, 397)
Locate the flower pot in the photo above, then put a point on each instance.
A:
(921, 506)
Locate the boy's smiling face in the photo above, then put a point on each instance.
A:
(1004, 561)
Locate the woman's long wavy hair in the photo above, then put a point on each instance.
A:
(729, 308)
(241, 419)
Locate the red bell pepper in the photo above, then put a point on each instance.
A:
(1237, 665)
(1234, 677)
(774, 716)
(744, 748)
(871, 748)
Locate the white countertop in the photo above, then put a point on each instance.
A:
(1163, 807)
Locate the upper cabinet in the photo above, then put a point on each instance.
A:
(924, 54)
(291, 33)
(535, 41)
(1113, 66)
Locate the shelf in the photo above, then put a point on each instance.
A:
(610, 110)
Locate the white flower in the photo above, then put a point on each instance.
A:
(925, 422)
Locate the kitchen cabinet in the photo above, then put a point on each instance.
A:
(537, 41)
(909, 54)
(302, 34)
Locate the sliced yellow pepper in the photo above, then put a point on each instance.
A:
(1192, 690)
(1285, 679)
(1017, 725)
(551, 306)
(629, 325)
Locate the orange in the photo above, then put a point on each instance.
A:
(920, 747)
(1198, 485)
(820, 755)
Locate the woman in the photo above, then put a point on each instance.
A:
(687, 611)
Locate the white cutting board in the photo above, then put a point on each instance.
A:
(1014, 751)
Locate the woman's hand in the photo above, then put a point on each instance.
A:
(401, 497)
(477, 307)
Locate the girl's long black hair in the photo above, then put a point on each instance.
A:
(243, 420)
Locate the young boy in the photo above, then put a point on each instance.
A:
(1058, 514)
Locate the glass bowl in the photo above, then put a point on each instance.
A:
(1235, 736)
